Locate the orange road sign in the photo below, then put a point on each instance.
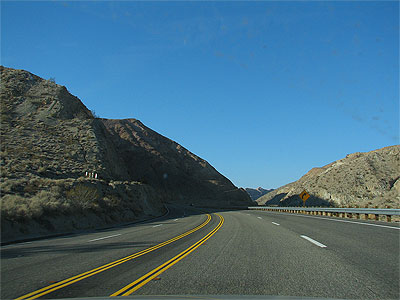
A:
(304, 195)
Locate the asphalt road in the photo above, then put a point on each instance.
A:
(190, 252)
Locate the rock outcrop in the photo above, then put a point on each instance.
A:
(360, 179)
(50, 140)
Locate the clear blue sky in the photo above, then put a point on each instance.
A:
(264, 91)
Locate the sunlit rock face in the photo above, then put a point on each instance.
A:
(360, 179)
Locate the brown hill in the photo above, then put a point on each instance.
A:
(49, 140)
(183, 177)
(360, 179)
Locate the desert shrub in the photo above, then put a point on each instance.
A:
(42, 170)
(17, 208)
(6, 185)
(32, 186)
(112, 201)
(13, 207)
(83, 197)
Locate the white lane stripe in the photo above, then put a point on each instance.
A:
(259, 217)
(14, 245)
(176, 220)
(157, 225)
(329, 219)
(106, 237)
(313, 241)
(275, 223)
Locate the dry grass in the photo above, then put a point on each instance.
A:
(34, 198)
(18, 208)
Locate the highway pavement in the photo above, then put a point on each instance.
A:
(204, 252)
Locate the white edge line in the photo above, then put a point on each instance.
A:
(176, 220)
(259, 217)
(106, 237)
(329, 219)
(157, 225)
(275, 223)
(313, 241)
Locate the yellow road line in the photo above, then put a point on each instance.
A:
(137, 284)
(71, 280)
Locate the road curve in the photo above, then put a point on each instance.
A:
(190, 252)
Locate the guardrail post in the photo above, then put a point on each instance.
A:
(369, 213)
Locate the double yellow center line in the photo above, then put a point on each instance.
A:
(71, 280)
(137, 284)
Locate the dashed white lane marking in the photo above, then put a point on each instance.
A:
(259, 217)
(275, 223)
(106, 237)
(176, 220)
(313, 241)
(157, 225)
(14, 245)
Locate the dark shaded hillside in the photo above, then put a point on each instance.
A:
(166, 165)
(49, 140)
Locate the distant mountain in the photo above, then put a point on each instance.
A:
(360, 179)
(63, 169)
(257, 193)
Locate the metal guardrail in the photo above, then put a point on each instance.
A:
(335, 211)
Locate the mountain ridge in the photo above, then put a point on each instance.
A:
(360, 179)
(257, 193)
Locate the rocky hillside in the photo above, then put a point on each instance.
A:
(181, 175)
(360, 179)
(257, 193)
(50, 140)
